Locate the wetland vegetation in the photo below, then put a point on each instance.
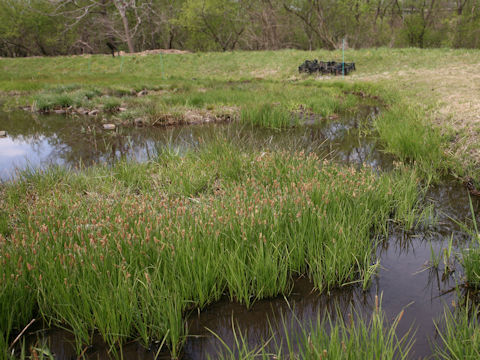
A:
(129, 250)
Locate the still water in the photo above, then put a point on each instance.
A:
(37, 141)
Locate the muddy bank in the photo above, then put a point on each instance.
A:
(189, 117)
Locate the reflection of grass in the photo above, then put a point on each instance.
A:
(128, 250)
(330, 339)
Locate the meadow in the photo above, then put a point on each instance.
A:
(128, 251)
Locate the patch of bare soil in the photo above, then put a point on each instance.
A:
(456, 87)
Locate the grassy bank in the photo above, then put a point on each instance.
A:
(128, 251)
(182, 102)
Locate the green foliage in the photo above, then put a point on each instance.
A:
(27, 29)
(459, 336)
(40, 27)
(214, 24)
(268, 115)
(415, 30)
(404, 130)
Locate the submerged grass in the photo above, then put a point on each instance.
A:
(328, 338)
(128, 251)
(372, 339)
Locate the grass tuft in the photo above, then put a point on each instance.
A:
(459, 335)
(268, 115)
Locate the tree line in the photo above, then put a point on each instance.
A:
(59, 27)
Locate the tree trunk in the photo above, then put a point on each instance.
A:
(121, 8)
(128, 37)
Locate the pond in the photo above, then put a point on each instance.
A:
(404, 280)
(36, 141)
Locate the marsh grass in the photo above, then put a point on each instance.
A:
(129, 250)
(365, 339)
(269, 116)
(51, 101)
(471, 265)
(111, 104)
(459, 336)
(405, 133)
(4, 223)
(329, 337)
(470, 257)
(266, 103)
(435, 258)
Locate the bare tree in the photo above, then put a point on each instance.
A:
(312, 13)
(109, 12)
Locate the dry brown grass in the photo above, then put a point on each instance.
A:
(455, 90)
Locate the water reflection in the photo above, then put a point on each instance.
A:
(267, 317)
(36, 141)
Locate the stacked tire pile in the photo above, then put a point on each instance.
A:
(326, 67)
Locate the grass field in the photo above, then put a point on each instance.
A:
(129, 250)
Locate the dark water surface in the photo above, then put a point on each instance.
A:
(404, 281)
